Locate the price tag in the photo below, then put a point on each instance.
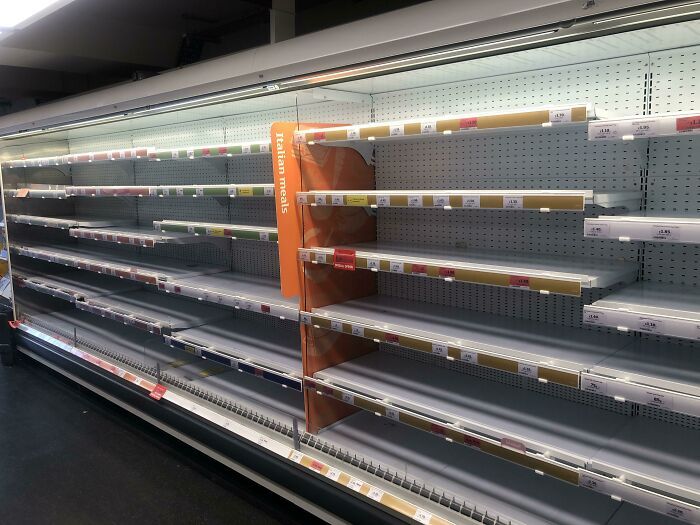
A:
(299, 137)
(560, 115)
(320, 258)
(355, 484)
(471, 201)
(264, 148)
(337, 200)
(353, 133)
(320, 200)
(511, 202)
(593, 317)
(336, 326)
(348, 398)
(606, 131)
(296, 456)
(440, 349)
(383, 201)
(594, 386)
(392, 413)
(423, 516)
(419, 269)
(357, 200)
(467, 123)
(441, 200)
(592, 483)
(179, 192)
(519, 281)
(373, 263)
(333, 474)
(305, 318)
(375, 494)
(644, 128)
(658, 399)
(396, 130)
(344, 259)
(190, 153)
(513, 444)
(597, 229)
(175, 154)
(246, 192)
(158, 392)
(396, 266)
(429, 127)
(391, 338)
(415, 201)
(527, 370)
(190, 228)
(269, 191)
(679, 511)
(661, 232)
(358, 331)
(688, 124)
(649, 325)
(304, 256)
(469, 357)
(245, 149)
(301, 199)
(199, 192)
(264, 441)
(165, 192)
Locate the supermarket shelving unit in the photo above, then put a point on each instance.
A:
(343, 311)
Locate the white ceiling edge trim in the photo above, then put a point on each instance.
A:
(424, 26)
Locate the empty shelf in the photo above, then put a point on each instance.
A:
(232, 231)
(63, 223)
(648, 307)
(244, 291)
(658, 227)
(145, 237)
(547, 352)
(37, 193)
(175, 190)
(79, 158)
(144, 268)
(73, 285)
(223, 150)
(506, 199)
(544, 273)
(645, 126)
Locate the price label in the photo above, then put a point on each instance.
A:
(199, 192)
(519, 281)
(396, 266)
(344, 259)
(658, 399)
(357, 200)
(264, 148)
(179, 191)
(469, 357)
(296, 456)
(166, 192)
(512, 202)
(391, 339)
(305, 318)
(264, 441)
(383, 201)
(245, 148)
(373, 263)
(429, 127)
(396, 130)
(419, 269)
(527, 370)
(513, 444)
(299, 137)
(336, 326)
(441, 200)
(353, 133)
(175, 154)
(592, 483)
(264, 236)
(440, 349)
(190, 153)
(649, 325)
(375, 494)
(467, 123)
(593, 317)
(392, 413)
(358, 331)
(471, 201)
(607, 131)
(190, 228)
(560, 115)
(423, 516)
(320, 200)
(415, 201)
(597, 229)
(644, 128)
(337, 200)
(304, 256)
(333, 474)
(158, 392)
(594, 386)
(355, 484)
(688, 124)
(320, 258)
(661, 232)
(301, 199)
(679, 511)
(269, 191)
(348, 398)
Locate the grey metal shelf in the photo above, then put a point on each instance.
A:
(62, 223)
(72, 285)
(672, 227)
(145, 237)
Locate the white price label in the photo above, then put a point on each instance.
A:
(264, 236)
(305, 318)
(471, 201)
(560, 115)
(423, 516)
(594, 386)
(658, 399)
(301, 199)
(592, 483)
(355, 484)
(426, 128)
(396, 266)
(441, 200)
(199, 192)
(649, 325)
(679, 511)
(333, 474)
(336, 326)
(661, 232)
(190, 153)
(358, 331)
(353, 133)
(264, 148)
(152, 192)
(604, 131)
(179, 192)
(372, 263)
(264, 441)
(299, 137)
(337, 200)
(232, 192)
(396, 130)
(597, 229)
(269, 191)
(320, 200)
(375, 494)
(383, 201)
(304, 256)
(644, 128)
(415, 201)
(440, 349)
(513, 202)
(593, 317)
(166, 192)
(190, 228)
(175, 154)
(246, 149)
(527, 370)
(296, 456)
(320, 258)
(348, 398)
(392, 413)
(469, 356)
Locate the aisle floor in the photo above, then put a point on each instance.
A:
(69, 457)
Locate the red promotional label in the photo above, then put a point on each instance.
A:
(391, 338)
(317, 465)
(686, 124)
(472, 441)
(519, 281)
(206, 152)
(158, 392)
(467, 123)
(264, 308)
(437, 429)
(223, 151)
(420, 269)
(513, 444)
(320, 135)
(446, 272)
(344, 259)
(101, 156)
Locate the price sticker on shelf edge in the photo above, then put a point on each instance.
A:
(396, 130)
(415, 201)
(467, 123)
(560, 115)
(441, 201)
(179, 192)
(358, 331)
(513, 202)
(301, 199)
(391, 338)
(428, 127)
(353, 133)
(373, 263)
(650, 325)
(199, 192)
(518, 281)
(269, 191)
(392, 413)
(305, 319)
(158, 392)
(439, 349)
(375, 493)
(296, 456)
(594, 317)
(383, 201)
(527, 370)
(348, 398)
(333, 473)
(513, 444)
(356, 200)
(597, 229)
(336, 326)
(396, 266)
(355, 484)
(264, 236)
(337, 200)
(688, 124)
(595, 386)
(658, 399)
(422, 516)
(604, 131)
(645, 128)
(320, 200)
(320, 258)
(446, 273)
(419, 269)
(344, 259)
(661, 232)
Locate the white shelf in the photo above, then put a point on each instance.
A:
(538, 350)
(645, 126)
(274, 354)
(506, 493)
(241, 291)
(544, 273)
(209, 229)
(143, 268)
(659, 227)
(73, 285)
(505, 199)
(536, 426)
(152, 311)
(653, 308)
(174, 190)
(37, 193)
(145, 237)
(62, 223)
(435, 126)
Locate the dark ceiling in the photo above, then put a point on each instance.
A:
(88, 44)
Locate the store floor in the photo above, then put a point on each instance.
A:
(69, 457)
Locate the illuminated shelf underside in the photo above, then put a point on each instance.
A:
(232, 231)
(547, 274)
(548, 352)
(658, 227)
(543, 200)
(645, 126)
(63, 223)
(146, 237)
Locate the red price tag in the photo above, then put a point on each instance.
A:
(344, 259)
(513, 444)
(264, 308)
(472, 441)
(419, 269)
(686, 124)
(391, 338)
(437, 429)
(206, 152)
(23, 192)
(223, 151)
(158, 392)
(319, 135)
(467, 123)
(317, 465)
(446, 272)
(519, 281)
